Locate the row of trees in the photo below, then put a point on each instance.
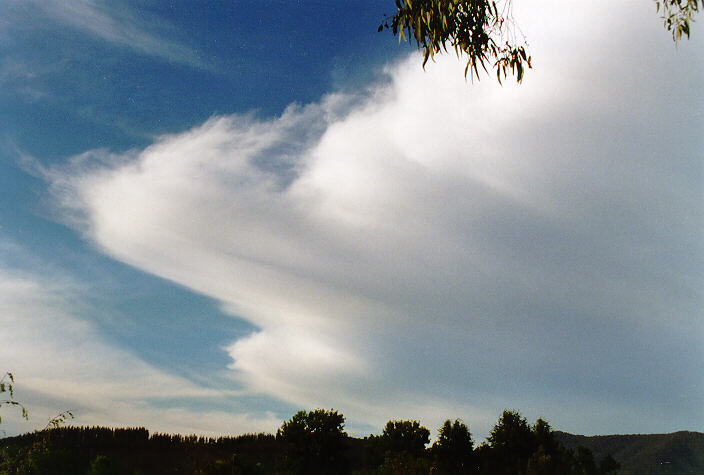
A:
(103, 450)
(315, 443)
(311, 442)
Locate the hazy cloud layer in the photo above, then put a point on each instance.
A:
(435, 248)
(61, 362)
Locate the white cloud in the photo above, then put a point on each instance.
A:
(61, 362)
(441, 245)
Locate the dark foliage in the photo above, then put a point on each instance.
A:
(314, 442)
(453, 452)
(512, 443)
(514, 447)
(676, 453)
(401, 444)
(475, 28)
(403, 463)
(405, 436)
(80, 450)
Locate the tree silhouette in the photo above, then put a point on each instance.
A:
(315, 442)
(512, 443)
(453, 451)
(550, 457)
(401, 444)
(405, 436)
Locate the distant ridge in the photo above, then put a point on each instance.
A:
(677, 453)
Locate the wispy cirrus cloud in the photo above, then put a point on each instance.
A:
(433, 246)
(117, 23)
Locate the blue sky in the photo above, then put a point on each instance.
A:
(214, 216)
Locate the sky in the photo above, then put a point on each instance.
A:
(215, 214)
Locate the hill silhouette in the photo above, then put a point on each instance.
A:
(676, 453)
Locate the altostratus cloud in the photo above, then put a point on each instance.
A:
(437, 243)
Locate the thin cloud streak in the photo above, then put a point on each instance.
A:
(120, 25)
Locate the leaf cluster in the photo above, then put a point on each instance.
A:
(477, 28)
(678, 14)
(58, 420)
(7, 385)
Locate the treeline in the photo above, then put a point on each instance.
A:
(311, 442)
(134, 437)
(101, 450)
(314, 443)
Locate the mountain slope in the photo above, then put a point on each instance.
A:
(676, 453)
